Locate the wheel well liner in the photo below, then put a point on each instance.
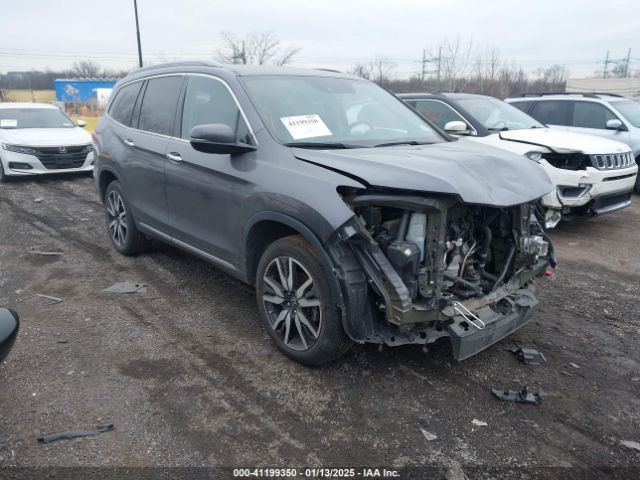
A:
(105, 178)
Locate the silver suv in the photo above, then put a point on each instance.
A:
(603, 114)
(354, 218)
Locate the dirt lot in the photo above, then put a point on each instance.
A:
(189, 377)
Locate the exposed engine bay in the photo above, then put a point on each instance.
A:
(440, 267)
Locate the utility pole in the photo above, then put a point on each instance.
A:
(424, 66)
(439, 65)
(135, 8)
(626, 64)
(606, 65)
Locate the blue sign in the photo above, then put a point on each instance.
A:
(79, 90)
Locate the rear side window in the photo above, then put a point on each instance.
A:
(122, 105)
(552, 112)
(158, 110)
(208, 101)
(437, 112)
(591, 115)
(524, 106)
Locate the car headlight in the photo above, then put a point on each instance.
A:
(18, 149)
(533, 155)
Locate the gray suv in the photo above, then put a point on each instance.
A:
(355, 219)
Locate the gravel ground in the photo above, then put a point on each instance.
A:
(190, 378)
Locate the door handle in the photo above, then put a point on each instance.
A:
(174, 157)
(128, 142)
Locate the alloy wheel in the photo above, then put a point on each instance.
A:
(293, 308)
(117, 218)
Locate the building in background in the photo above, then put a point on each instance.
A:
(83, 96)
(629, 87)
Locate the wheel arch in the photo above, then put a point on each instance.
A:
(106, 176)
(265, 228)
(347, 280)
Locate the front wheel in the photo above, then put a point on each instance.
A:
(3, 176)
(123, 233)
(296, 304)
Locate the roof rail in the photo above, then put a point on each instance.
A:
(584, 94)
(330, 70)
(188, 63)
(442, 94)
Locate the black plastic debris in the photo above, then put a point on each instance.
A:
(105, 427)
(520, 396)
(530, 356)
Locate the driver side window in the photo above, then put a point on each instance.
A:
(207, 100)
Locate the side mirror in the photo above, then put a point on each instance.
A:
(456, 127)
(81, 123)
(614, 124)
(9, 324)
(217, 138)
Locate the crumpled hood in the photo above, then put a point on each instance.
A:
(565, 142)
(477, 173)
(45, 137)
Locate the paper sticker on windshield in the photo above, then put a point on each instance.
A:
(8, 123)
(305, 126)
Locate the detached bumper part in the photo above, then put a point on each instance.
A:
(468, 336)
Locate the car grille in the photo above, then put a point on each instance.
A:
(613, 161)
(59, 158)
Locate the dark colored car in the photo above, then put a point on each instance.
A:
(9, 325)
(355, 219)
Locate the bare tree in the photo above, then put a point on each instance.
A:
(362, 70)
(379, 70)
(86, 69)
(555, 74)
(453, 62)
(382, 69)
(258, 48)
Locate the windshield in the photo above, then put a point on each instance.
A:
(329, 112)
(629, 110)
(34, 118)
(497, 115)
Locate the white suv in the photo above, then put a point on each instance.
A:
(37, 138)
(604, 114)
(592, 175)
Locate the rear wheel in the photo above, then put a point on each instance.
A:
(296, 304)
(123, 233)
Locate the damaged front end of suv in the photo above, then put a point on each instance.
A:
(446, 240)
(440, 267)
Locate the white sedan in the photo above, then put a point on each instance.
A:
(37, 138)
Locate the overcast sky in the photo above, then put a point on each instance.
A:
(35, 34)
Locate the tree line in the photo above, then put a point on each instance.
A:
(453, 66)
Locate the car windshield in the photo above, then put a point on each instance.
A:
(629, 110)
(34, 118)
(497, 115)
(327, 112)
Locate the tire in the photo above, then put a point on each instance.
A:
(3, 176)
(638, 177)
(308, 310)
(121, 226)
